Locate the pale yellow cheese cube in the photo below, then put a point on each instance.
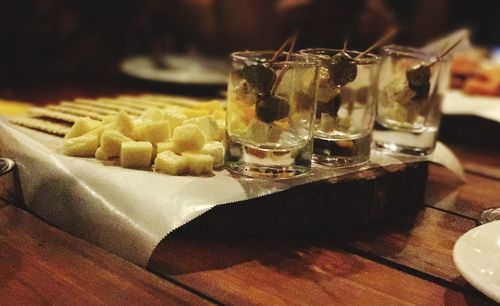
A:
(207, 125)
(326, 123)
(165, 146)
(193, 113)
(136, 154)
(82, 146)
(216, 150)
(199, 163)
(264, 132)
(100, 130)
(151, 114)
(81, 127)
(188, 137)
(170, 163)
(221, 124)
(219, 115)
(125, 124)
(152, 131)
(101, 155)
(111, 142)
(174, 118)
(210, 106)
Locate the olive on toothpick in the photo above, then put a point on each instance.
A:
(418, 77)
(343, 68)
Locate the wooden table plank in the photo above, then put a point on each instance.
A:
(424, 244)
(480, 161)
(279, 272)
(444, 191)
(42, 265)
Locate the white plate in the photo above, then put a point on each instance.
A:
(181, 69)
(456, 102)
(477, 256)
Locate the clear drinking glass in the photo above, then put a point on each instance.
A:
(410, 90)
(270, 111)
(346, 106)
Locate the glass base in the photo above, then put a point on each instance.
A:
(342, 152)
(393, 148)
(267, 172)
(268, 161)
(338, 161)
(391, 139)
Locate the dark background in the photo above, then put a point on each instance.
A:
(47, 41)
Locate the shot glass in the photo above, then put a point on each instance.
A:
(346, 106)
(410, 90)
(270, 112)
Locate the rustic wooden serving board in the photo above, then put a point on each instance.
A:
(360, 198)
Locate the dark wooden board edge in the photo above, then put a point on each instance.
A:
(361, 198)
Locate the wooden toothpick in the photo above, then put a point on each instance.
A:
(379, 42)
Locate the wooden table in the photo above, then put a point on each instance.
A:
(407, 261)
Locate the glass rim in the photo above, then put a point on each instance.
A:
(368, 58)
(258, 55)
(408, 51)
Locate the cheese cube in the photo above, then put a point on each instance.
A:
(210, 106)
(207, 125)
(83, 146)
(152, 131)
(188, 137)
(81, 127)
(216, 150)
(111, 142)
(101, 155)
(136, 154)
(170, 163)
(100, 130)
(219, 114)
(165, 146)
(152, 114)
(125, 124)
(199, 163)
(221, 124)
(174, 118)
(326, 123)
(193, 113)
(264, 132)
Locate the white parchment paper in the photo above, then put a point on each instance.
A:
(125, 211)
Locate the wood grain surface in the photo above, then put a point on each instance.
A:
(292, 272)
(41, 265)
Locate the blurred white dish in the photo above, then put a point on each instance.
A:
(477, 256)
(181, 69)
(456, 102)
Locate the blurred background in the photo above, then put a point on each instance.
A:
(45, 41)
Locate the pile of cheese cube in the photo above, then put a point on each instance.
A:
(175, 140)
